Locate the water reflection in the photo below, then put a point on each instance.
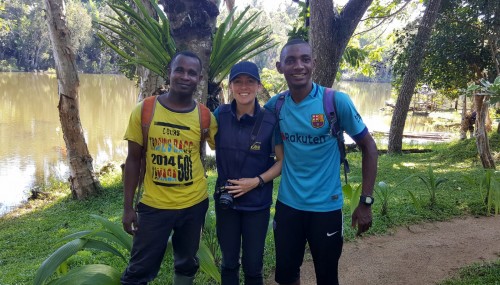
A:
(32, 143)
(32, 146)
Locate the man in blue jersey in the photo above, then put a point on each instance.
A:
(309, 205)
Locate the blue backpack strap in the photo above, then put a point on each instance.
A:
(331, 113)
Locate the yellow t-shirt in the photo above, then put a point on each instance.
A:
(175, 178)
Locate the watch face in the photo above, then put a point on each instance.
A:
(367, 200)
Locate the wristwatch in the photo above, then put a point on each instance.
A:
(261, 181)
(367, 200)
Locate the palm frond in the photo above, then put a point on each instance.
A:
(139, 38)
(236, 42)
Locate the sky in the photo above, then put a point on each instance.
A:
(268, 5)
(275, 4)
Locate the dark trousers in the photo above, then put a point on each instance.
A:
(151, 239)
(246, 230)
(324, 233)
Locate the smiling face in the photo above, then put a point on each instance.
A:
(184, 74)
(244, 89)
(296, 64)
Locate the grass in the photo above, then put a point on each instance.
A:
(31, 233)
(477, 274)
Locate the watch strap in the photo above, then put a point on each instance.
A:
(367, 200)
(261, 181)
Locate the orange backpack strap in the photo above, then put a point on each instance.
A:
(205, 115)
(147, 112)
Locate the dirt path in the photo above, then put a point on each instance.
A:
(418, 254)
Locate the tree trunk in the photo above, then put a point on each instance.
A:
(464, 124)
(149, 82)
(83, 182)
(410, 78)
(329, 34)
(192, 24)
(482, 143)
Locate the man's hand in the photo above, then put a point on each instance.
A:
(129, 221)
(362, 217)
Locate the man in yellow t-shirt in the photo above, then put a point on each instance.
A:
(175, 194)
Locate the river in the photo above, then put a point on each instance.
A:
(33, 150)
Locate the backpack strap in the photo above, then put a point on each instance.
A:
(205, 118)
(279, 103)
(147, 112)
(335, 130)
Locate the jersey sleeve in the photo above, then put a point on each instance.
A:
(349, 118)
(134, 129)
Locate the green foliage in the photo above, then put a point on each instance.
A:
(110, 238)
(431, 183)
(272, 81)
(352, 195)
(235, 42)
(457, 52)
(140, 39)
(384, 192)
(488, 188)
(491, 89)
(24, 38)
(486, 88)
(299, 29)
(29, 234)
(477, 274)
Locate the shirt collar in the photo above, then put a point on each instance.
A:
(244, 117)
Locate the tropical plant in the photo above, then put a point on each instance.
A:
(486, 88)
(142, 40)
(384, 191)
(139, 38)
(352, 194)
(109, 238)
(431, 183)
(488, 188)
(235, 41)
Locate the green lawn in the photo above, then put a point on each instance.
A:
(30, 234)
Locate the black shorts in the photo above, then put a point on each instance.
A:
(323, 231)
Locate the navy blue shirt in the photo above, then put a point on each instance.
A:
(238, 156)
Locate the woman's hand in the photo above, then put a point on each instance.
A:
(242, 186)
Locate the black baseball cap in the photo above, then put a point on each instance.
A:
(244, 67)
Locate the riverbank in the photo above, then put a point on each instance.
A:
(31, 233)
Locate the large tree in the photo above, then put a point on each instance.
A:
(192, 24)
(330, 33)
(410, 78)
(83, 181)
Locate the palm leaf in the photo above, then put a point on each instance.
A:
(101, 245)
(93, 274)
(50, 264)
(115, 229)
(139, 38)
(236, 42)
(207, 262)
